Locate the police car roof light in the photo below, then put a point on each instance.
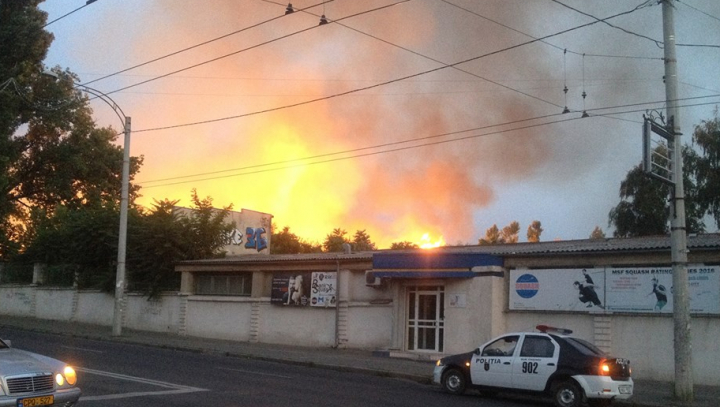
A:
(546, 329)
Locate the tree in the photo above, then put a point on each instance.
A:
(286, 242)
(644, 206)
(51, 154)
(492, 236)
(534, 231)
(85, 240)
(334, 241)
(403, 245)
(362, 243)
(597, 233)
(706, 168)
(510, 233)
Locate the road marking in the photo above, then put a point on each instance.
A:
(82, 349)
(256, 373)
(174, 388)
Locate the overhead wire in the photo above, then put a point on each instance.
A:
(658, 43)
(87, 3)
(180, 51)
(248, 48)
(545, 42)
(303, 161)
(433, 59)
(684, 3)
(384, 83)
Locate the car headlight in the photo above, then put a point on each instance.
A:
(68, 375)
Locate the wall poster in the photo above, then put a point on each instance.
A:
(630, 289)
(557, 289)
(303, 289)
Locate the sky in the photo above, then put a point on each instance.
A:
(426, 121)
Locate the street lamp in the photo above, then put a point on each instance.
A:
(120, 283)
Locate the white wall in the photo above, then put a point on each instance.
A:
(219, 317)
(647, 340)
(17, 300)
(54, 303)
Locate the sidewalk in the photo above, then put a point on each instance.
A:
(647, 393)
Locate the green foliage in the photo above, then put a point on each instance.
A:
(361, 242)
(644, 206)
(534, 231)
(51, 153)
(403, 245)
(84, 241)
(334, 241)
(597, 233)
(706, 167)
(493, 235)
(286, 242)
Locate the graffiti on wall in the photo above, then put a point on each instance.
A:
(255, 239)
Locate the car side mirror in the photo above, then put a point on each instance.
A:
(7, 342)
(477, 351)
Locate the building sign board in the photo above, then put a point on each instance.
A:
(625, 289)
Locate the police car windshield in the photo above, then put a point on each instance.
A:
(585, 347)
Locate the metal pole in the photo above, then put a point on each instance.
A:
(122, 236)
(678, 247)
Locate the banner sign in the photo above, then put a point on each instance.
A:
(650, 289)
(323, 289)
(557, 290)
(316, 289)
(632, 289)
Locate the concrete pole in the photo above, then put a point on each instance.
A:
(678, 234)
(122, 236)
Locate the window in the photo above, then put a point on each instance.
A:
(224, 284)
(502, 347)
(538, 347)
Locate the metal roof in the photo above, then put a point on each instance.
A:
(710, 241)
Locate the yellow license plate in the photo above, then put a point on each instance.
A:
(36, 401)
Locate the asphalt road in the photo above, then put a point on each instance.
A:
(118, 375)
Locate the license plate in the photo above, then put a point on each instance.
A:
(625, 389)
(36, 401)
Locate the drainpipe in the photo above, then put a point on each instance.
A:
(337, 305)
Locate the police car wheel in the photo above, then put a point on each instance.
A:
(454, 381)
(567, 394)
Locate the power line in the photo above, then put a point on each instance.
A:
(194, 46)
(698, 10)
(545, 42)
(659, 44)
(302, 161)
(249, 48)
(434, 60)
(381, 83)
(87, 3)
(647, 3)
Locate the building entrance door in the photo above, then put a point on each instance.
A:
(425, 318)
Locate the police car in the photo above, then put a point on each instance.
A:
(571, 370)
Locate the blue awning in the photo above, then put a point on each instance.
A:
(433, 264)
(425, 274)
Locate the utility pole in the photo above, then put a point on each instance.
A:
(678, 234)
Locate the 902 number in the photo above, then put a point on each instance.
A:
(529, 367)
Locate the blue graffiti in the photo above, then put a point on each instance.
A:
(255, 239)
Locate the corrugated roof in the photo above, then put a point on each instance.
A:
(710, 241)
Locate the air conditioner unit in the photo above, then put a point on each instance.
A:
(371, 280)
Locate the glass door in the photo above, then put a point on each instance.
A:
(425, 318)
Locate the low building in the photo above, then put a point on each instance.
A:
(426, 303)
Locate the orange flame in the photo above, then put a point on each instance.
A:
(427, 243)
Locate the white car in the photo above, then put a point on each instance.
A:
(570, 370)
(28, 380)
